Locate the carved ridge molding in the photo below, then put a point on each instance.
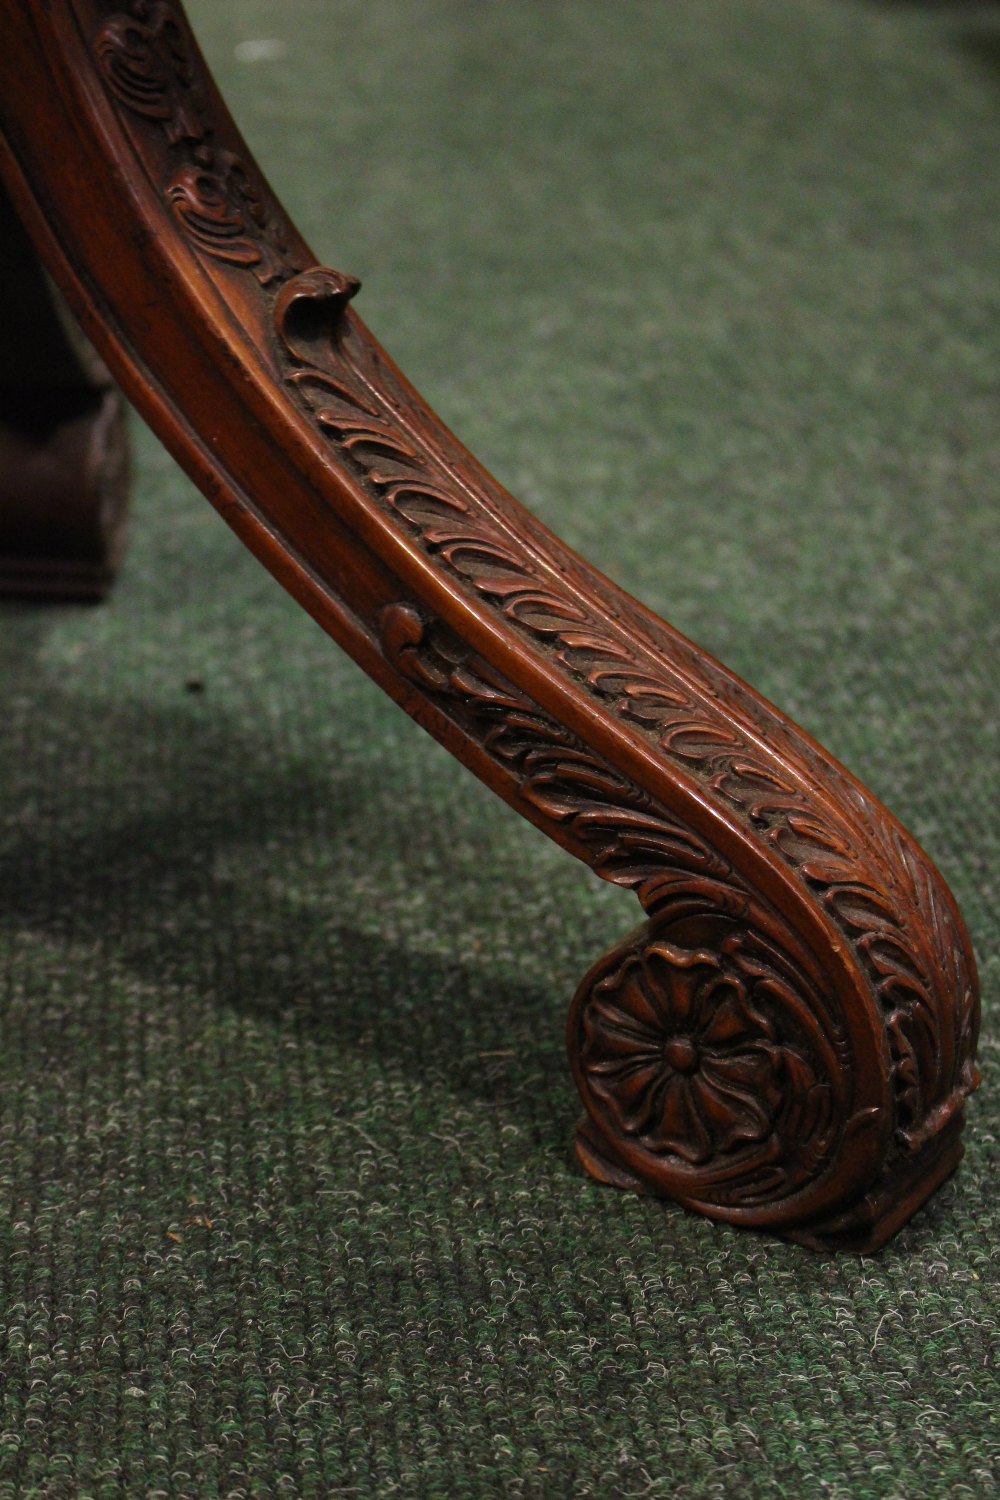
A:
(798, 1061)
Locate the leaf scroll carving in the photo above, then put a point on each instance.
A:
(148, 62)
(625, 835)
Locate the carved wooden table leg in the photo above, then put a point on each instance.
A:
(63, 447)
(787, 1042)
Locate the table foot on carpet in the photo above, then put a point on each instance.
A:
(787, 1041)
(63, 444)
(864, 1228)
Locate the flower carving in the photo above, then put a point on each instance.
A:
(681, 1055)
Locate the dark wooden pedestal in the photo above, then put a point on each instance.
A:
(63, 447)
(787, 1041)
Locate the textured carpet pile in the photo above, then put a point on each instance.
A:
(287, 1199)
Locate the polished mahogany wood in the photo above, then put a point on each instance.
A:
(787, 1040)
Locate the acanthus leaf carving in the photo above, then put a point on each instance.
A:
(222, 210)
(148, 62)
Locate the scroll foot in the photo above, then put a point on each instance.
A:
(719, 1068)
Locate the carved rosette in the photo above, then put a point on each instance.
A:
(714, 1070)
(687, 1061)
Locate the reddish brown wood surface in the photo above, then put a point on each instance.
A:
(787, 1041)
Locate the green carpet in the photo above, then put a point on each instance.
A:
(287, 1197)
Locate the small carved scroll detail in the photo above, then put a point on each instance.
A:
(148, 62)
(221, 208)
